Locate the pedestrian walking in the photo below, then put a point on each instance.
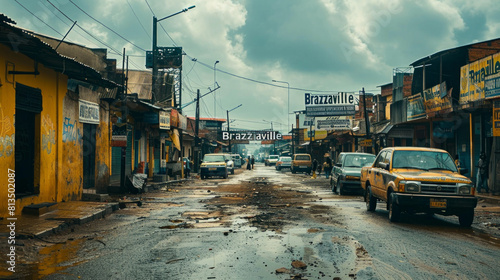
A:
(313, 168)
(328, 166)
(188, 167)
(482, 173)
(249, 163)
(253, 161)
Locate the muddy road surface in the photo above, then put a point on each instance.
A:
(263, 224)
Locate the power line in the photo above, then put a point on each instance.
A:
(39, 19)
(152, 12)
(138, 20)
(130, 42)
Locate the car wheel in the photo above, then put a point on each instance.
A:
(225, 175)
(466, 218)
(341, 190)
(394, 210)
(232, 171)
(371, 201)
(293, 171)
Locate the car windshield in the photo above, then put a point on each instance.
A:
(213, 158)
(358, 160)
(302, 157)
(273, 157)
(286, 159)
(425, 160)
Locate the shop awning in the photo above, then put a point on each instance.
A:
(174, 136)
(385, 129)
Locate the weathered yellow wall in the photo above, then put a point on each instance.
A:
(72, 129)
(103, 149)
(49, 123)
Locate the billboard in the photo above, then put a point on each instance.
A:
(474, 75)
(437, 98)
(337, 104)
(415, 107)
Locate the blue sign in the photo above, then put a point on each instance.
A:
(492, 86)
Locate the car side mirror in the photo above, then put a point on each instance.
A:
(384, 165)
(463, 171)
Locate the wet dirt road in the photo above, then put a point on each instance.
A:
(264, 224)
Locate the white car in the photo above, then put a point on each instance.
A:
(271, 160)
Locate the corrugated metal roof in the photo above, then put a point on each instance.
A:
(20, 40)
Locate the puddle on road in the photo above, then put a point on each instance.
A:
(52, 259)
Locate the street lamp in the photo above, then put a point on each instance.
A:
(229, 134)
(155, 50)
(288, 109)
(215, 99)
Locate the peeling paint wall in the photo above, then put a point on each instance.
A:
(48, 129)
(72, 175)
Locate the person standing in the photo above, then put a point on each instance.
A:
(253, 161)
(482, 173)
(249, 163)
(313, 168)
(188, 167)
(328, 166)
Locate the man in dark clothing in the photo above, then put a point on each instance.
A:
(328, 166)
(253, 161)
(482, 173)
(313, 168)
(249, 163)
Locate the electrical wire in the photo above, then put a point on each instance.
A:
(138, 20)
(116, 33)
(152, 12)
(62, 35)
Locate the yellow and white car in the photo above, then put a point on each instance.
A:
(214, 165)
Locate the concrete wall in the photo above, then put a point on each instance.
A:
(48, 127)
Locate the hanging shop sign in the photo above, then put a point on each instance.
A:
(437, 98)
(88, 112)
(164, 120)
(174, 118)
(305, 121)
(415, 107)
(182, 122)
(316, 135)
(119, 135)
(338, 104)
(496, 118)
(366, 143)
(492, 86)
(333, 123)
(474, 75)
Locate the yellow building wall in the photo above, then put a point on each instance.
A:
(103, 149)
(388, 107)
(48, 124)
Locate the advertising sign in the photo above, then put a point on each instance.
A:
(492, 86)
(316, 134)
(88, 112)
(433, 99)
(496, 118)
(119, 135)
(338, 104)
(333, 123)
(182, 122)
(474, 75)
(415, 107)
(164, 120)
(305, 121)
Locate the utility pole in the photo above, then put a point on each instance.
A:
(196, 131)
(367, 124)
(124, 119)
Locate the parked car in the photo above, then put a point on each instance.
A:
(301, 163)
(347, 170)
(230, 163)
(237, 160)
(271, 160)
(283, 163)
(418, 180)
(214, 165)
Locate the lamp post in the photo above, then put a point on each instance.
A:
(227, 112)
(288, 100)
(215, 99)
(155, 50)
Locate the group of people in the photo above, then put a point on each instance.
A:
(327, 166)
(250, 162)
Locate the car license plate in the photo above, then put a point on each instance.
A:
(212, 169)
(438, 203)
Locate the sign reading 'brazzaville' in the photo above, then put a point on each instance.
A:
(478, 78)
(337, 104)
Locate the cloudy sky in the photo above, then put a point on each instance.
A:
(314, 45)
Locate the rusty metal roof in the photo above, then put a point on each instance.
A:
(20, 40)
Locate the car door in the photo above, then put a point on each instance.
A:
(375, 173)
(385, 173)
(337, 169)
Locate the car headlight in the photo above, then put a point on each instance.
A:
(409, 186)
(465, 188)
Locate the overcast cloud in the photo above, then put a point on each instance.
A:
(314, 45)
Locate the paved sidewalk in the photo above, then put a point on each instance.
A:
(66, 214)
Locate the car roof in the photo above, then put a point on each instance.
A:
(414, 149)
(361, 154)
